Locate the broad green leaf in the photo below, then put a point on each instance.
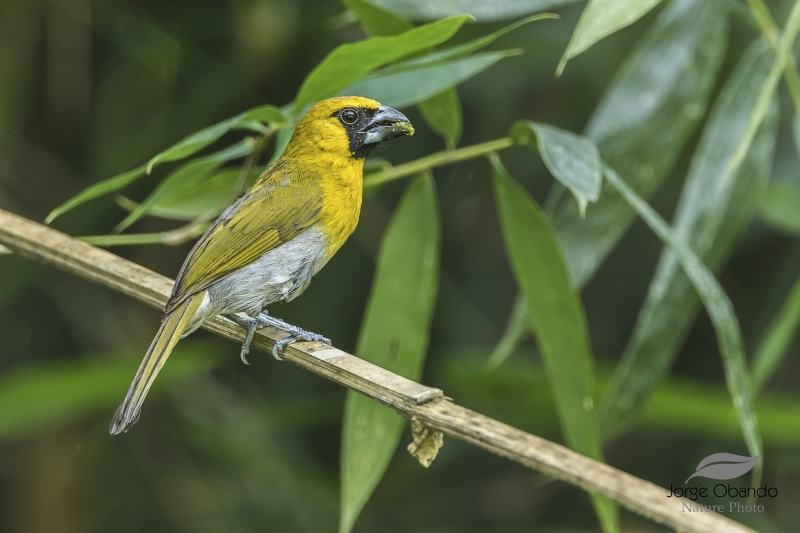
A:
(779, 207)
(349, 63)
(394, 335)
(571, 159)
(408, 87)
(467, 48)
(212, 195)
(711, 215)
(186, 147)
(188, 175)
(649, 111)
(768, 87)
(719, 309)
(601, 18)
(482, 10)
(772, 349)
(40, 398)
(442, 112)
(376, 20)
(651, 108)
(197, 141)
(556, 317)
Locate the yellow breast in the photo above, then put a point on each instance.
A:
(342, 189)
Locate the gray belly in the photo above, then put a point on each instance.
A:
(281, 274)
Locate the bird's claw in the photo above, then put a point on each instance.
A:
(250, 325)
(296, 334)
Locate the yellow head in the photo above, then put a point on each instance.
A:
(347, 127)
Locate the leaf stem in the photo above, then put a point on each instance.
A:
(771, 33)
(170, 238)
(436, 160)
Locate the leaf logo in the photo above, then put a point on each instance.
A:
(728, 466)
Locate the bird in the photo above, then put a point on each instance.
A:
(267, 245)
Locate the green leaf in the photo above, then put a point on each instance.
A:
(394, 335)
(350, 62)
(442, 112)
(600, 19)
(281, 142)
(556, 317)
(40, 398)
(188, 175)
(516, 331)
(796, 132)
(639, 136)
(186, 147)
(571, 159)
(375, 20)
(643, 136)
(482, 10)
(711, 215)
(719, 309)
(197, 141)
(408, 87)
(772, 348)
(212, 195)
(768, 87)
(98, 189)
(467, 48)
(778, 207)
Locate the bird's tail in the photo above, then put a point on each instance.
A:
(172, 328)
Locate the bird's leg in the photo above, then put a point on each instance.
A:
(295, 333)
(250, 325)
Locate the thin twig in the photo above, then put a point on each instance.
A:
(260, 145)
(173, 237)
(408, 398)
(438, 159)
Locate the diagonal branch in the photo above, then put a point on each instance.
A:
(410, 399)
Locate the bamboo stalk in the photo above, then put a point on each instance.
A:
(407, 397)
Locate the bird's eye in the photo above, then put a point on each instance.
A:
(349, 116)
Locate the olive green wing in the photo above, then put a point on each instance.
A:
(283, 202)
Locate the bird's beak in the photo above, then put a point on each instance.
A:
(387, 124)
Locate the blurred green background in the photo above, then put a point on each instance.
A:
(92, 89)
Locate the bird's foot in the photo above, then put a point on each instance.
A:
(295, 334)
(250, 325)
